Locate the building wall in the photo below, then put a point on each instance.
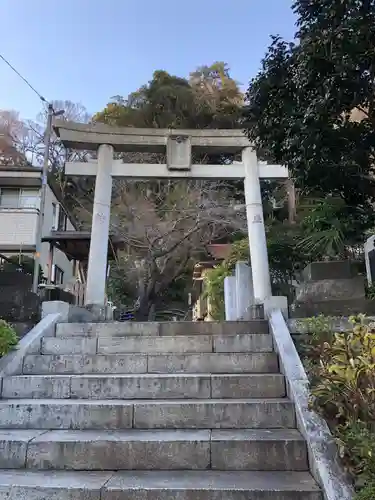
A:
(59, 258)
(18, 228)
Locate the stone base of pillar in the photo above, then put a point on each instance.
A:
(98, 312)
(276, 302)
(76, 314)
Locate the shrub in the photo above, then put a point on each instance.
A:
(356, 444)
(315, 332)
(345, 389)
(8, 338)
(367, 493)
(214, 290)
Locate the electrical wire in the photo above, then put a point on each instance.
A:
(24, 79)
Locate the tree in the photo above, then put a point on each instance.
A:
(164, 228)
(312, 106)
(210, 98)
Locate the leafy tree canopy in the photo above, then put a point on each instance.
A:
(312, 105)
(209, 98)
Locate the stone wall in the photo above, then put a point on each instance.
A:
(332, 289)
(17, 303)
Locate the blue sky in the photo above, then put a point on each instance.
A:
(89, 50)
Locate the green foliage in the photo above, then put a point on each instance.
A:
(370, 291)
(312, 108)
(343, 389)
(315, 332)
(214, 279)
(210, 98)
(214, 290)
(367, 493)
(8, 338)
(357, 448)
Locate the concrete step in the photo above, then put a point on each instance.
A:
(277, 449)
(119, 329)
(147, 414)
(145, 386)
(211, 485)
(152, 363)
(153, 345)
(157, 485)
(52, 485)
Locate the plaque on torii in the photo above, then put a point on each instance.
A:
(179, 147)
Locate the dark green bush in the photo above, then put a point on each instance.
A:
(367, 493)
(8, 338)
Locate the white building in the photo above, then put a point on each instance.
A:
(20, 188)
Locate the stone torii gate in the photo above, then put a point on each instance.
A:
(178, 145)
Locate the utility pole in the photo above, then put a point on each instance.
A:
(39, 231)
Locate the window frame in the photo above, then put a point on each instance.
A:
(21, 192)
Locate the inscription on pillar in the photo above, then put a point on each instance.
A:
(178, 152)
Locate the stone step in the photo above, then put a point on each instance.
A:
(211, 485)
(145, 386)
(147, 414)
(151, 363)
(145, 344)
(276, 449)
(121, 329)
(157, 485)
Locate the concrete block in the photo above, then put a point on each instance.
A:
(185, 344)
(244, 289)
(253, 342)
(331, 290)
(119, 329)
(258, 449)
(75, 364)
(333, 270)
(274, 303)
(213, 327)
(36, 387)
(213, 363)
(214, 414)
(69, 345)
(211, 485)
(145, 386)
(52, 485)
(13, 447)
(230, 298)
(56, 307)
(65, 414)
(248, 386)
(126, 450)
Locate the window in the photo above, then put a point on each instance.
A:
(62, 220)
(19, 198)
(55, 217)
(9, 198)
(57, 275)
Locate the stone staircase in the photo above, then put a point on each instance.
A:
(131, 411)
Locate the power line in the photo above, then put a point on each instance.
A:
(23, 78)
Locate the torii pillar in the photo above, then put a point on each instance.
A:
(101, 214)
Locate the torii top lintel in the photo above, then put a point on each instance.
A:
(151, 140)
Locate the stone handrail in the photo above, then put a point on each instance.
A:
(11, 364)
(323, 453)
